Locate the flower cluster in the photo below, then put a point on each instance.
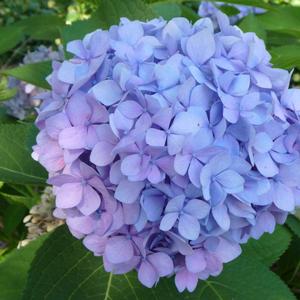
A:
(170, 144)
(209, 9)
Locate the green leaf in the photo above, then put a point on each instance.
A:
(16, 164)
(41, 27)
(10, 37)
(110, 12)
(33, 73)
(64, 269)
(12, 217)
(283, 19)
(245, 278)
(269, 247)
(25, 200)
(167, 10)
(14, 268)
(252, 23)
(189, 13)
(255, 3)
(229, 10)
(79, 29)
(287, 56)
(294, 224)
(7, 94)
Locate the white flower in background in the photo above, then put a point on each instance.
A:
(40, 219)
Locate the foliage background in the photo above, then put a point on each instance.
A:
(56, 266)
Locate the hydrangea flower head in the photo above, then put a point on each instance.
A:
(169, 145)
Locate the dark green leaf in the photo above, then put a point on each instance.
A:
(287, 56)
(110, 12)
(251, 23)
(269, 247)
(16, 164)
(229, 10)
(189, 13)
(294, 224)
(10, 37)
(41, 27)
(14, 268)
(282, 19)
(256, 3)
(64, 269)
(12, 217)
(33, 73)
(4, 117)
(7, 94)
(25, 200)
(167, 10)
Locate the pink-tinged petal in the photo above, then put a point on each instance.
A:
(95, 243)
(186, 280)
(194, 172)
(227, 251)
(101, 154)
(131, 165)
(283, 197)
(130, 109)
(90, 202)
(69, 195)
(195, 262)
(168, 221)
(221, 216)
(197, 208)
(76, 47)
(189, 227)
(265, 164)
(129, 191)
(181, 163)
(119, 249)
(163, 118)
(262, 142)
(162, 263)
(155, 176)
(201, 46)
(175, 143)
(108, 92)
(73, 137)
(115, 174)
(175, 204)
(84, 224)
(155, 137)
(78, 110)
(147, 274)
(55, 124)
(131, 213)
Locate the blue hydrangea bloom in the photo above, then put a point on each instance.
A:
(169, 144)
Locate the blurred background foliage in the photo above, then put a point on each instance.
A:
(31, 27)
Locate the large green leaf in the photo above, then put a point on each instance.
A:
(283, 19)
(251, 23)
(287, 56)
(41, 27)
(10, 37)
(14, 268)
(64, 269)
(294, 224)
(16, 164)
(33, 73)
(167, 10)
(110, 12)
(269, 247)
